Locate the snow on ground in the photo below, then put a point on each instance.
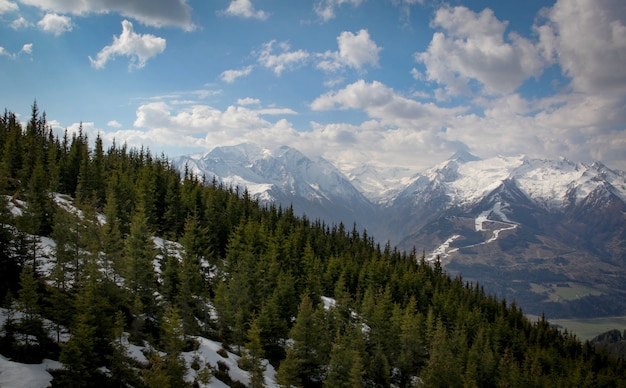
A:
(18, 375)
(207, 353)
(482, 217)
(442, 250)
(15, 206)
(328, 302)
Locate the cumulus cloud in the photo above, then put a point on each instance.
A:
(588, 40)
(114, 124)
(139, 48)
(55, 24)
(198, 126)
(285, 59)
(355, 50)
(7, 6)
(248, 101)
(156, 13)
(472, 47)
(244, 9)
(325, 9)
(231, 76)
(20, 23)
(381, 102)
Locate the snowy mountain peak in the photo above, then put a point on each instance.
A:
(550, 183)
(283, 175)
(464, 156)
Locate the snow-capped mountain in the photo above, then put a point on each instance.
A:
(507, 222)
(511, 222)
(286, 176)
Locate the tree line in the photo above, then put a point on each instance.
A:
(327, 305)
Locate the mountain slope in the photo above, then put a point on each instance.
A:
(528, 229)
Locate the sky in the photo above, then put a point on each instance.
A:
(385, 83)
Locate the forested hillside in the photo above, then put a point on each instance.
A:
(138, 251)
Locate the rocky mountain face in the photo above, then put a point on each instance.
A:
(550, 234)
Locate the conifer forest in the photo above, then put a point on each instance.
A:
(103, 250)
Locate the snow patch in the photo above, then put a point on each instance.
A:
(443, 250)
(18, 375)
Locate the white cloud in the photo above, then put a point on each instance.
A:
(114, 124)
(588, 40)
(472, 47)
(355, 50)
(55, 24)
(284, 60)
(204, 127)
(149, 12)
(138, 47)
(7, 6)
(248, 101)
(231, 76)
(20, 23)
(27, 48)
(325, 9)
(577, 126)
(245, 9)
(405, 6)
(379, 101)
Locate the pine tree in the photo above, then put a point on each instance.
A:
(9, 266)
(112, 241)
(31, 323)
(252, 358)
(173, 342)
(345, 368)
(66, 233)
(443, 368)
(140, 277)
(303, 356)
(412, 353)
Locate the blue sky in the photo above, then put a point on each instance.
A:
(382, 82)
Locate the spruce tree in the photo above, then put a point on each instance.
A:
(252, 357)
(139, 275)
(303, 356)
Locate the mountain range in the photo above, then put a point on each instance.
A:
(550, 234)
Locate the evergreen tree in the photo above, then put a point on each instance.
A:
(345, 368)
(112, 241)
(173, 342)
(303, 357)
(252, 357)
(443, 368)
(140, 277)
(66, 233)
(10, 267)
(31, 323)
